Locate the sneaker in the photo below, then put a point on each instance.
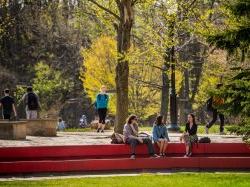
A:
(186, 155)
(206, 130)
(132, 157)
(98, 130)
(189, 154)
(155, 156)
(102, 131)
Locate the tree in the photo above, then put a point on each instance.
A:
(233, 39)
(123, 13)
(99, 68)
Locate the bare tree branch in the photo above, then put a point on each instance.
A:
(150, 84)
(105, 9)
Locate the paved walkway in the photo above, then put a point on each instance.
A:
(92, 138)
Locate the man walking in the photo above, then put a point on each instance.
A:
(212, 103)
(32, 104)
(8, 105)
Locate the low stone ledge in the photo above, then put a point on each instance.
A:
(42, 127)
(13, 130)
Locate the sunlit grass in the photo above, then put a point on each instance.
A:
(148, 180)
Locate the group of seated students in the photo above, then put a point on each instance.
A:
(159, 136)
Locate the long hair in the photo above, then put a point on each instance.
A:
(193, 116)
(158, 120)
(130, 118)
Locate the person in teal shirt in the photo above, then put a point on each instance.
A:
(101, 105)
(160, 135)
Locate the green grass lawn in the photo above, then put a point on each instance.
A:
(146, 180)
(201, 129)
(215, 129)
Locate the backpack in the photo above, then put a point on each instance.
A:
(205, 140)
(32, 101)
(117, 138)
(209, 104)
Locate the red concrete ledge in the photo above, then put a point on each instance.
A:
(114, 150)
(125, 164)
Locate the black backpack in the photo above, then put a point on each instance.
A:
(209, 104)
(32, 101)
(205, 140)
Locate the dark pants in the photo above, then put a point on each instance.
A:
(7, 116)
(102, 112)
(134, 142)
(215, 116)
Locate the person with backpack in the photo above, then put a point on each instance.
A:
(160, 135)
(131, 137)
(212, 103)
(32, 104)
(8, 105)
(101, 104)
(190, 135)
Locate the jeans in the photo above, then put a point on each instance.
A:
(7, 116)
(134, 142)
(215, 116)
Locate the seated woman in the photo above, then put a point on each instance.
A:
(131, 137)
(190, 135)
(160, 135)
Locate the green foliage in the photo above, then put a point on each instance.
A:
(237, 94)
(236, 35)
(242, 129)
(99, 69)
(236, 91)
(50, 85)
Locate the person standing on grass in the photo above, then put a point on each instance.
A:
(101, 103)
(8, 105)
(160, 135)
(32, 104)
(212, 103)
(130, 132)
(190, 135)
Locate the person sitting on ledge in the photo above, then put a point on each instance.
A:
(131, 137)
(160, 135)
(190, 135)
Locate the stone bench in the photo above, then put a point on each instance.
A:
(13, 130)
(41, 127)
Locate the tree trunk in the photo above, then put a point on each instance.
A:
(122, 69)
(165, 96)
(185, 105)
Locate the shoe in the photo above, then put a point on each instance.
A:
(132, 157)
(189, 154)
(186, 155)
(206, 130)
(222, 133)
(98, 130)
(164, 154)
(102, 131)
(155, 156)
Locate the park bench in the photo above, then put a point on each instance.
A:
(41, 127)
(12, 130)
(116, 157)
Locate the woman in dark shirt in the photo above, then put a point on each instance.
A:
(190, 134)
